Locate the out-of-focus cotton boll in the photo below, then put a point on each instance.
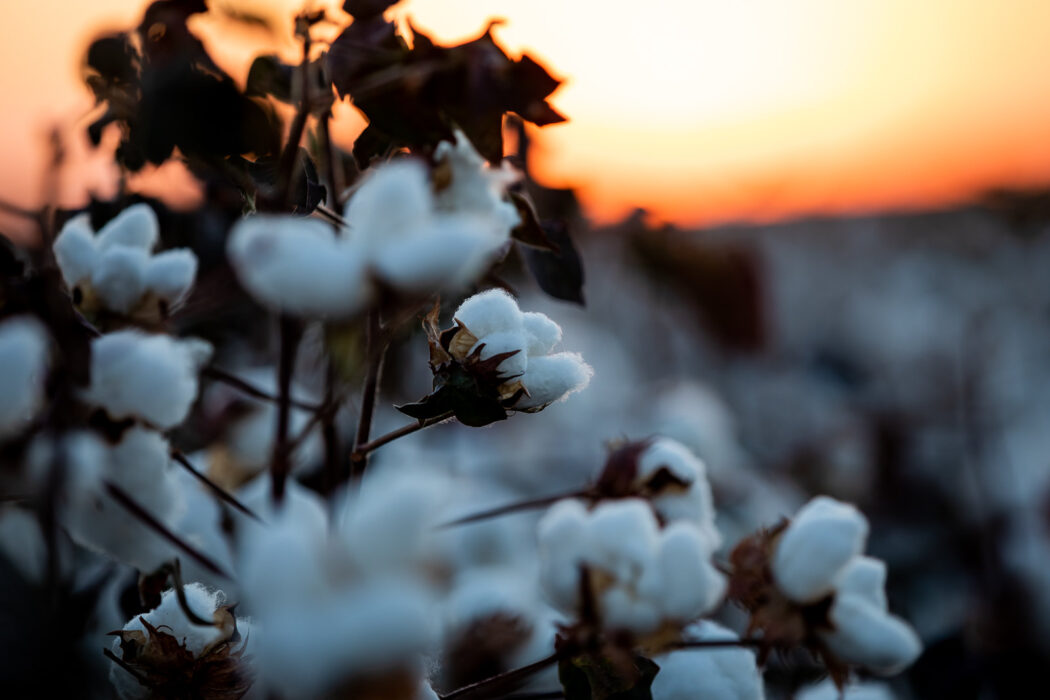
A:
(726, 674)
(298, 266)
(116, 267)
(642, 576)
(818, 544)
(489, 312)
(412, 245)
(826, 690)
(867, 635)
(542, 332)
(150, 377)
(475, 186)
(169, 618)
(689, 498)
(24, 346)
(551, 378)
(22, 542)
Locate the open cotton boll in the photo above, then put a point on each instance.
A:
(489, 312)
(76, 251)
(298, 266)
(690, 585)
(827, 690)
(820, 541)
(725, 674)
(623, 537)
(562, 541)
(152, 377)
(694, 503)
(867, 635)
(119, 277)
(542, 332)
(170, 274)
(170, 615)
(864, 577)
(24, 350)
(550, 378)
(135, 227)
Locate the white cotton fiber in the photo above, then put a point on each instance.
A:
(691, 584)
(543, 333)
(726, 674)
(826, 690)
(489, 312)
(869, 636)
(475, 187)
(392, 202)
(119, 277)
(24, 350)
(75, 250)
(822, 538)
(135, 227)
(170, 274)
(693, 503)
(444, 252)
(298, 266)
(550, 378)
(151, 377)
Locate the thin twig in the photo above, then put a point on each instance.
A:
(251, 390)
(516, 507)
(291, 333)
(130, 505)
(180, 596)
(333, 453)
(716, 643)
(219, 491)
(495, 686)
(290, 156)
(124, 665)
(334, 170)
(375, 351)
(400, 433)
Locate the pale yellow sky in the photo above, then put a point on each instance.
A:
(699, 110)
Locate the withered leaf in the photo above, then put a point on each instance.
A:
(589, 677)
(529, 231)
(559, 274)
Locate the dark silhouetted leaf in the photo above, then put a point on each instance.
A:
(529, 231)
(366, 9)
(559, 274)
(269, 76)
(597, 678)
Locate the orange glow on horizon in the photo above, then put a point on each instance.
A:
(697, 110)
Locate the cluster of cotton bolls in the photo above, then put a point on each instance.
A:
(646, 576)
(820, 554)
(490, 324)
(24, 357)
(402, 234)
(116, 269)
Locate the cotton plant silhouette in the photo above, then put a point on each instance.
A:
(254, 574)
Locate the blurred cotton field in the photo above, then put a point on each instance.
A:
(395, 420)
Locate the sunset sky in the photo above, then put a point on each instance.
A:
(697, 110)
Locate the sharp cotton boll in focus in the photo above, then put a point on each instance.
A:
(24, 351)
(298, 266)
(722, 674)
(151, 377)
(543, 333)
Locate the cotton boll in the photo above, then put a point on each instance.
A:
(135, 227)
(503, 342)
(550, 378)
(170, 274)
(827, 690)
(691, 585)
(75, 250)
(24, 350)
(622, 609)
(475, 187)
(623, 537)
(169, 614)
(542, 332)
(298, 266)
(489, 312)
(152, 377)
(392, 202)
(119, 277)
(725, 674)
(870, 637)
(823, 537)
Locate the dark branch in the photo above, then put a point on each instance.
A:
(247, 388)
(212, 486)
(497, 686)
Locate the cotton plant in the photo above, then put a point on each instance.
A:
(401, 235)
(116, 270)
(164, 652)
(808, 582)
(24, 358)
(494, 359)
